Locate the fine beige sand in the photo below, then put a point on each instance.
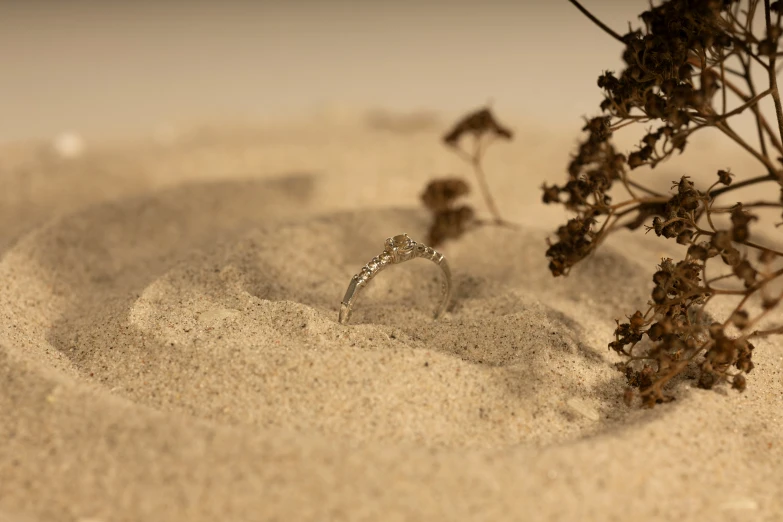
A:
(169, 345)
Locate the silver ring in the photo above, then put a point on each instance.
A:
(398, 249)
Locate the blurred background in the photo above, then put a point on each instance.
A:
(116, 68)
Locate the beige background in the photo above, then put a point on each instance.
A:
(100, 67)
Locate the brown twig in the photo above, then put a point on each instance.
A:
(773, 79)
(598, 22)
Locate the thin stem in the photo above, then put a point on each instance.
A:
(755, 204)
(495, 223)
(773, 80)
(766, 333)
(749, 103)
(723, 127)
(756, 320)
(482, 179)
(772, 136)
(717, 278)
(757, 113)
(597, 22)
(744, 183)
(742, 302)
(751, 15)
(628, 120)
(723, 80)
(661, 199)
(708, 213)
(761, 247)
(708, 233)
(475, 161)
(641, 187)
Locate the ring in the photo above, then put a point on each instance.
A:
(398, 249)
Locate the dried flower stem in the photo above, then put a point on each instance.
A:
(773, 80)
(597, 22)
(449, 220)
(474, 160)
(773, 136)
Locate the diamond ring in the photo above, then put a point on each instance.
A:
(398, 249)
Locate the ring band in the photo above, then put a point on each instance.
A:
(398, 249)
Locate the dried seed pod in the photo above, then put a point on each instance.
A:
(637, 321)
(659, 295)
(662, 277)
(706, 380)
(746, 272)
(656, 331)
(440, 194)
(684, 237)
(740, 319)
(450, 224)
(697, 252)
(478, 124)
(721, 240)
(731, 256)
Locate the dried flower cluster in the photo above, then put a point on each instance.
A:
(449, 220)
(678, 71)
(479, 124)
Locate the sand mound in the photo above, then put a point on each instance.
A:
(176, 355)
(244, 331)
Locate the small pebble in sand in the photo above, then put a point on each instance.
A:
(582, 408)
(69, 144)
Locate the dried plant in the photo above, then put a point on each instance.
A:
(680, 71)
(450, 221)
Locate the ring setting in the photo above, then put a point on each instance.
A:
(397, 249)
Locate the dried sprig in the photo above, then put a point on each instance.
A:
(450, 221)
(479, 124)
(442, 193)
(678, 71)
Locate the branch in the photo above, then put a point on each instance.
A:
(744, 183)
(744, 97)
(598, 22)
(766, 333)
(773, 80)
(725, 129)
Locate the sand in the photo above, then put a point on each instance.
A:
(169, 345)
